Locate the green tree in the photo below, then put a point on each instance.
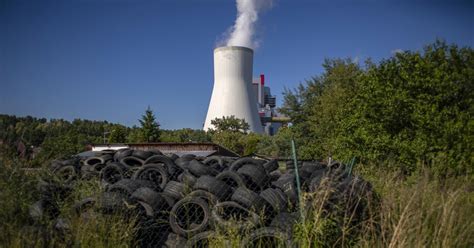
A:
(250, 143)
(135, 135)
(230, 123)
(150, 129)
(416, 107)
(230, 140)
(413, 108)
(118, 134)
(185, 135)
(231, 133)
(317, 108)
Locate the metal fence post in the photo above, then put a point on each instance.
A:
(298, 185)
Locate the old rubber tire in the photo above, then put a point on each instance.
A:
(271, 165)
(189, 216)
(209, 197)
(131, 161)
(287, 184)
(231, 178)
(248, 199)
(199, 169)
(256, 174)
(172, 168)
(230, 214)
(274, 175)
(155, 173)
(215, 162)
(170, 201)
(150, 197)
(94, 160)
(183, 162)
(187, 178)
(275, 198)
(173, 156)
(174, 189)
(113, 173)
(243, 161)
(121, 153)
(67, 173)
(288, 177)
(221, 190)
(126, 187)
(143, 155)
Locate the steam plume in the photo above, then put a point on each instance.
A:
(242, 33)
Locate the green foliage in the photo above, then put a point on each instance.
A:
(231, 133)
(150, 129)
(243, 144)
(250, 143)
(185, 135)
(118, 134)
(229, 140)
(135, 135)
(230, 123)
(317, 107)
(413, 107)
(277, 146)
(417, 107)
(46, 140)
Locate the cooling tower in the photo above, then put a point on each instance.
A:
(232, 93)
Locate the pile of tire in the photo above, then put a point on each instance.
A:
(183, 201)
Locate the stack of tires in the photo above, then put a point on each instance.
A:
(183, 201)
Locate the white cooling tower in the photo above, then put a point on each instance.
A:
(232, 93)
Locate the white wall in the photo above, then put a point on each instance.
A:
(232, 93)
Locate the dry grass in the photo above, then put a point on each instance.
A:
(422, 211)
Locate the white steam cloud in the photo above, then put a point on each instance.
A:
(243, 31)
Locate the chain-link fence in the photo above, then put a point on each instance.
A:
(197, 201)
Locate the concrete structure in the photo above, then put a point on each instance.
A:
(232, 93)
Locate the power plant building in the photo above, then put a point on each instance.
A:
(236, 93)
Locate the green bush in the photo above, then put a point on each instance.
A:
(413, 108)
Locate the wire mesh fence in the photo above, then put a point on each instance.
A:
(205, 201)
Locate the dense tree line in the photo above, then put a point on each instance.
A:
(49, 138)
(38, 140)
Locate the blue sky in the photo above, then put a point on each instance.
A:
(110, 59)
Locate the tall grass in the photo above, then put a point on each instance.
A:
(421, 211)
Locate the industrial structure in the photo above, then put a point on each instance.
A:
(266, 106)
(232, 93)
(235, 93)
